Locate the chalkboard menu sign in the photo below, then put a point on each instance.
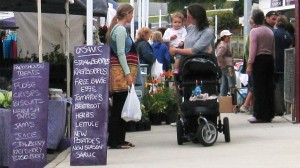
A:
(28, 138)
(90, 105)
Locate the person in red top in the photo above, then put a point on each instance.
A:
(261, 68)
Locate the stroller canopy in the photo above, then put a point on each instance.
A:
(200, 64)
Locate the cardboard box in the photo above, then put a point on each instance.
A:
(225, 104)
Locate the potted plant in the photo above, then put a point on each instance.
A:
(171, 110)
(144, 124)
(160, 100)
(154, 107)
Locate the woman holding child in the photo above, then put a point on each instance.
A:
(199, 38)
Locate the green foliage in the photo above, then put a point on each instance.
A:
(5, 99)
(238, 8)
(170, 98)
(160, 102)
(54, 57)
(178, 5)
(226, 20)
(156, 19)
(145, 114)
(154, 103)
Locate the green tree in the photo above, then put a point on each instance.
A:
(177, 5)
(238, 8)
(226, 20)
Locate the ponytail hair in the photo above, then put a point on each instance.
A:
(217, 43)
(122, 12)
(114, 21)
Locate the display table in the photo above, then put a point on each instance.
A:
(56, 128)
(4, 135)
(56, 123)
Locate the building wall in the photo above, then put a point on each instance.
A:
(266, 5)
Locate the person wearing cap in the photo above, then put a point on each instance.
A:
(270, 19)
(225, 61)
(261, 68)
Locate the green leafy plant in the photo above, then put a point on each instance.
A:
(170, 98)
(145, 115)
(154, 103)
(55, 57)
(159, 97)
(5, 99)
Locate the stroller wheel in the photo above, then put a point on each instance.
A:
(207, 134)
(179, 126)
(226, 130)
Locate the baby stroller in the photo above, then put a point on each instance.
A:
(200, 119)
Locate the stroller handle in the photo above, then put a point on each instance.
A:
(201, 83)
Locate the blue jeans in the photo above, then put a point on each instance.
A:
(227, 81)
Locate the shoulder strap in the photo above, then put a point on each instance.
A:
(111, 50)
(117, 25)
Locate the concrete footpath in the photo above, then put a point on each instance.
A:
(261, 145)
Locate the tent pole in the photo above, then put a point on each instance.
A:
(67, 49)
(132, 21)
(67, 54)
(89, 22)
(143, 13)
(147, 4)
(139, 14)
(40, 37)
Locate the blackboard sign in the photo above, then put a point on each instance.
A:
(90, 105)
(28, 138)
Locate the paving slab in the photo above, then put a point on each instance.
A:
(260, 145)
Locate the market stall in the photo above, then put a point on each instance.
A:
(57, 109)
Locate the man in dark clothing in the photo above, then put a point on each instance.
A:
(283, 41)
(270, 19)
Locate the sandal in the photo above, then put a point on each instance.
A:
(124, 146)
(128, 144)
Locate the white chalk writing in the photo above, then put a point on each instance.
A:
(93, 61)
(92, 71)
(87, 106)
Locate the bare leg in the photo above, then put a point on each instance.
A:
(249, 99)
(176, 64)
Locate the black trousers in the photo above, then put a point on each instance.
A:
(116, 125)
(263, 87)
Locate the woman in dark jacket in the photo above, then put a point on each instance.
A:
(144, 49)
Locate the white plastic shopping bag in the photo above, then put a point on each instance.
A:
(157, 70)
(132, 109)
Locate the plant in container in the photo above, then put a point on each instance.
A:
(159, 98)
